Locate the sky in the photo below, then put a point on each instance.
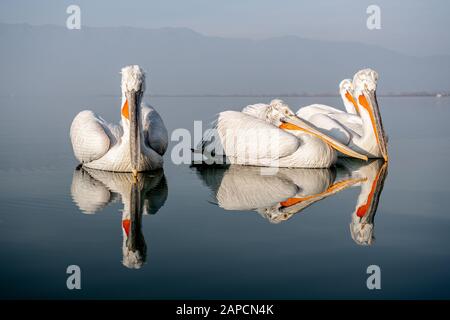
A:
(414, 27)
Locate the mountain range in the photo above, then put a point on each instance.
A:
(42, 60)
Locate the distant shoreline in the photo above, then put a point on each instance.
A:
(285, 95)
(301, 95)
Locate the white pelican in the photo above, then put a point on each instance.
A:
(373, 174)
(137, 144)
(272, 135)
(276, 197)
(350, 104)
(92, 190)
(361, 127)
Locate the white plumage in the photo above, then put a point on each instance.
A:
(101, 145)
(133, 78)
(360, 127)
(270, 135)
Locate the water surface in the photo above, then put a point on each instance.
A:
(194, 238)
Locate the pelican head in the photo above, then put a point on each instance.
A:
(278, 112)
(362, 233)
(280, 115)
(346, 92)
(346, 84)
(365, 86)
(133, 87)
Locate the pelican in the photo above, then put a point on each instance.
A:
(373, 175)
(276, 197)
(350, 104)
(271, 135)
(360, 128)
(92, 190)
(136, 145)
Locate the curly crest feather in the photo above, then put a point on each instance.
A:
(133, 78)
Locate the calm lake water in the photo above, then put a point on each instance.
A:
(222, 233)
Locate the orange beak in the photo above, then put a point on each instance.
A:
(369, 103)
(125, 110)
(350, 98)
(295, 123)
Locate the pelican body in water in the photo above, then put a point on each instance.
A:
(136, 145)
(360, 128)
(271, 135)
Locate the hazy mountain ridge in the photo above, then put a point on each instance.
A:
(52, 59)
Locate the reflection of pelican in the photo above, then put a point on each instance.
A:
(136, 145)
(374, 173)
(361, 127)
(272, 135)
(276, 197)
(92, 190)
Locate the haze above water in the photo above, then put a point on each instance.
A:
(197, 242)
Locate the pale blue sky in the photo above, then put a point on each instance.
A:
(413, 27)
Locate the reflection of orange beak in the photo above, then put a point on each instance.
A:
(126, 226)
(291, 201)
(362, 210)
(335, 187)
(125, 110)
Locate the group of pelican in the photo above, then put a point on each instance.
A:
(311, 138)
(259, 135)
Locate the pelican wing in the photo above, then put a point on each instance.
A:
(244, 188)
(89, 194)
(350, 121)
(211, 146)
(313, 109)
(343, 126)
(248, 140)
(256, 110)
(154, 129)
(331, 128)
(311, 182)
(89, 136)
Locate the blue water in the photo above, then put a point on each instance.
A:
(194, 245)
